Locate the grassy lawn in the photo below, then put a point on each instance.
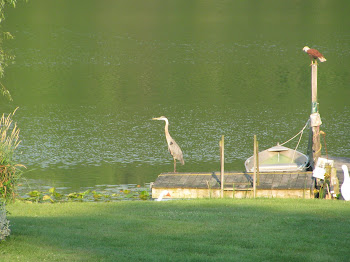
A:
(193, 230)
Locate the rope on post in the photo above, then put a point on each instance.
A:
(300, 132)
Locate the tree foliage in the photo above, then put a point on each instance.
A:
(4, 57)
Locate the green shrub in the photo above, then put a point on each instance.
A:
(4, 223)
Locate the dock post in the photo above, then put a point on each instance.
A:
(315, 121)
(222, 163)
(255, 166)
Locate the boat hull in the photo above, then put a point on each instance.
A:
(286, 160)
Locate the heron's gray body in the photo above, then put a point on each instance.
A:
(173, 147)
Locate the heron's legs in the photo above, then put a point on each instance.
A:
(174, 165)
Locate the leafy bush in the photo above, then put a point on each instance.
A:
(4, 223)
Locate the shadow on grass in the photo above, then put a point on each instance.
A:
(200, 230)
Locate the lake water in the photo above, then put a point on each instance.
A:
(90, 75)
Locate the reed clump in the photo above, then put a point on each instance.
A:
(9, 170)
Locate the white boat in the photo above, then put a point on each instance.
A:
(278, 159)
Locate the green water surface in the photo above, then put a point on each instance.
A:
(90, 75)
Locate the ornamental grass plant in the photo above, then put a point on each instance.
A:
(9, 172)
(9, 169)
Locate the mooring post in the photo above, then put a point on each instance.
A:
(255, 166)
(222, 162)
(315, 121)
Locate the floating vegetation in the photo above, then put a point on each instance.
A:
(52, 196)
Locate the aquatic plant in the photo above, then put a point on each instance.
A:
(87, 196)
(9, 170)
(144, 195)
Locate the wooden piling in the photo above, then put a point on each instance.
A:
(315, 120)
(222, 166)
(314, 87)
(255, 166)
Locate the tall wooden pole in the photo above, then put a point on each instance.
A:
(222, 163)
(315, 120)
(255, 166)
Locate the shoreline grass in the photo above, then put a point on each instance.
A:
(188, 230)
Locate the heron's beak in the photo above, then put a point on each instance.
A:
(155, 118)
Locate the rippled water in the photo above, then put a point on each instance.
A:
(88, 84)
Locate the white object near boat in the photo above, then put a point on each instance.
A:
(345, 188)
(163, 194)
(320, 168)
(278, 159)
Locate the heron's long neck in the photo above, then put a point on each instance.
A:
(167, 129)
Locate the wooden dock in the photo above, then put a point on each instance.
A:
(240, 184)
(236, 185)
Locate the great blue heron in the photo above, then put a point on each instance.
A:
(173, 147)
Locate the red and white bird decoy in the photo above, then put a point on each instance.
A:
(163, 194)
(314, 55)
